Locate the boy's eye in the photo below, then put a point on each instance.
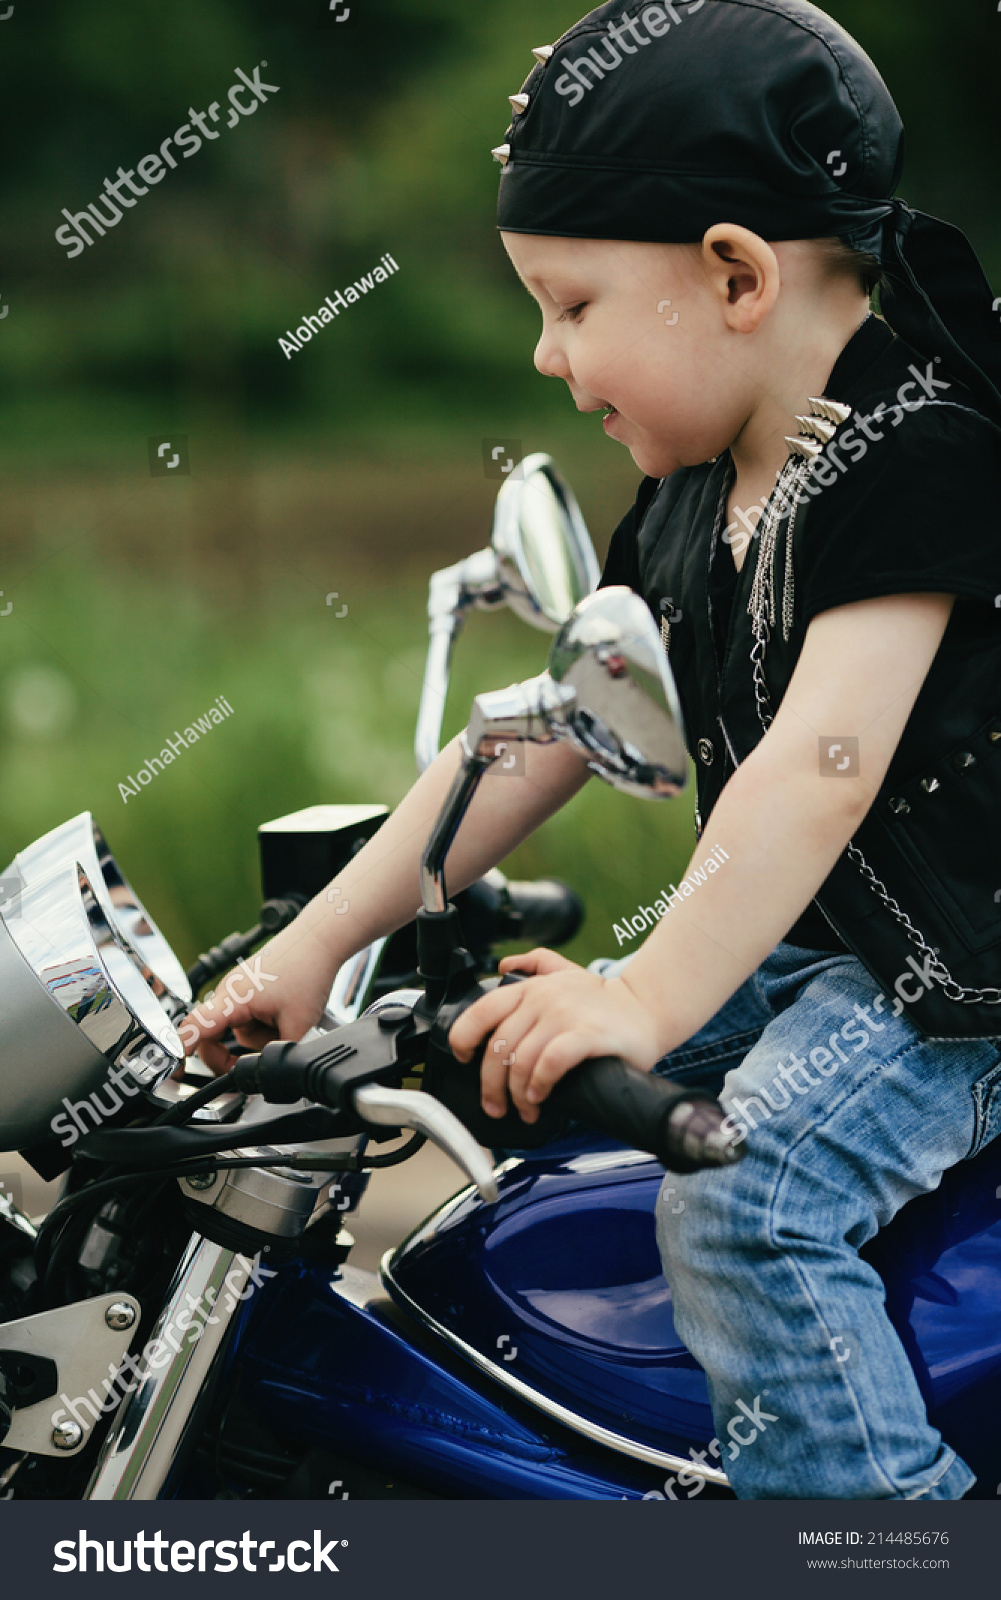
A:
(572, 313)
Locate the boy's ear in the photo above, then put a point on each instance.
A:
(743, 271)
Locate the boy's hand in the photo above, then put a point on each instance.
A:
(279, 993)
(537, 1031)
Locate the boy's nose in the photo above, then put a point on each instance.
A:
(549, 358)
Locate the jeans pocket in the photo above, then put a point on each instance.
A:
(987, 1106)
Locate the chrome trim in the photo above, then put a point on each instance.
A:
(86, 1347)
(80, 839)
(154, 1423)
(540, 562)
(86, 965)
(352, 986)
(589, 1430)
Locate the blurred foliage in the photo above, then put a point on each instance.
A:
(323, 711)
(378, 140)
(353, 465)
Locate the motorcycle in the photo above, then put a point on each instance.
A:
(186, 1323)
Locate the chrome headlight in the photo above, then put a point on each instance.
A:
(81, 841)
(79, 1019)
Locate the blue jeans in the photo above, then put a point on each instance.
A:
(850, 1112)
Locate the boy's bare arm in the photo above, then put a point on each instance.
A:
(378, 891)
(782, 825)
(784, 817)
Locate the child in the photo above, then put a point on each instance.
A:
(699, 198)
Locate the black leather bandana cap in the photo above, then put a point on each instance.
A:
(655, 122)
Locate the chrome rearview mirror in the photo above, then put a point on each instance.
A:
(608, 691)
(545, 558)
(81, 840)
(625, 716)
(540, 562)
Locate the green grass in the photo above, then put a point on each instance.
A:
(97, 671)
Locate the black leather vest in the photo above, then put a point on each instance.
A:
(932, 838)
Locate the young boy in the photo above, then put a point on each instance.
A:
(698, 197)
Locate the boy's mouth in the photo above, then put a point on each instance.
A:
(609, 417)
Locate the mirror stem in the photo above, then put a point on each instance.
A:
(433, 891)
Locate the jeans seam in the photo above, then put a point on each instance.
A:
(981, 1106)
(799, 1272)
(864, 1429)
(718, 1050)
(952, 1457)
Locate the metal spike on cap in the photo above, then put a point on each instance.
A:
(817, 428)
(501, 153)
(833, 410)
(542, 52)
(519, 101)
(807, 448)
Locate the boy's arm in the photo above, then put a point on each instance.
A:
(379, 891)
(789, 818)
(782, 825)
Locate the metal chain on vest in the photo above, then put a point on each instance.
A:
(784, 501)
(763, 612)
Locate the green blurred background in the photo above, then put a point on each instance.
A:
(355, 466)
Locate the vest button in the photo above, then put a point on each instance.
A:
(901, 807)
(964, 759)
(706, 751)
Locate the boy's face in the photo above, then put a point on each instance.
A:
(638, 327)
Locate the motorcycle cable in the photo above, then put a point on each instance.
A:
(273, 917)
(355, 1162)
(185, 1109)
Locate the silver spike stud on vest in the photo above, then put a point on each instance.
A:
(502, 153)
(542, 52)
(818, 429)
(804, 447)
(833, 410)
(519, 101)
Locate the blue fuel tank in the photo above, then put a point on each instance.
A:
(557, 1291)
(527, 1348)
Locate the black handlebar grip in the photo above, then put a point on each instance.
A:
(681, 1127)
(544, 911)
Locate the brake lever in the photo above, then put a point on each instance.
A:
(410, 1108)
